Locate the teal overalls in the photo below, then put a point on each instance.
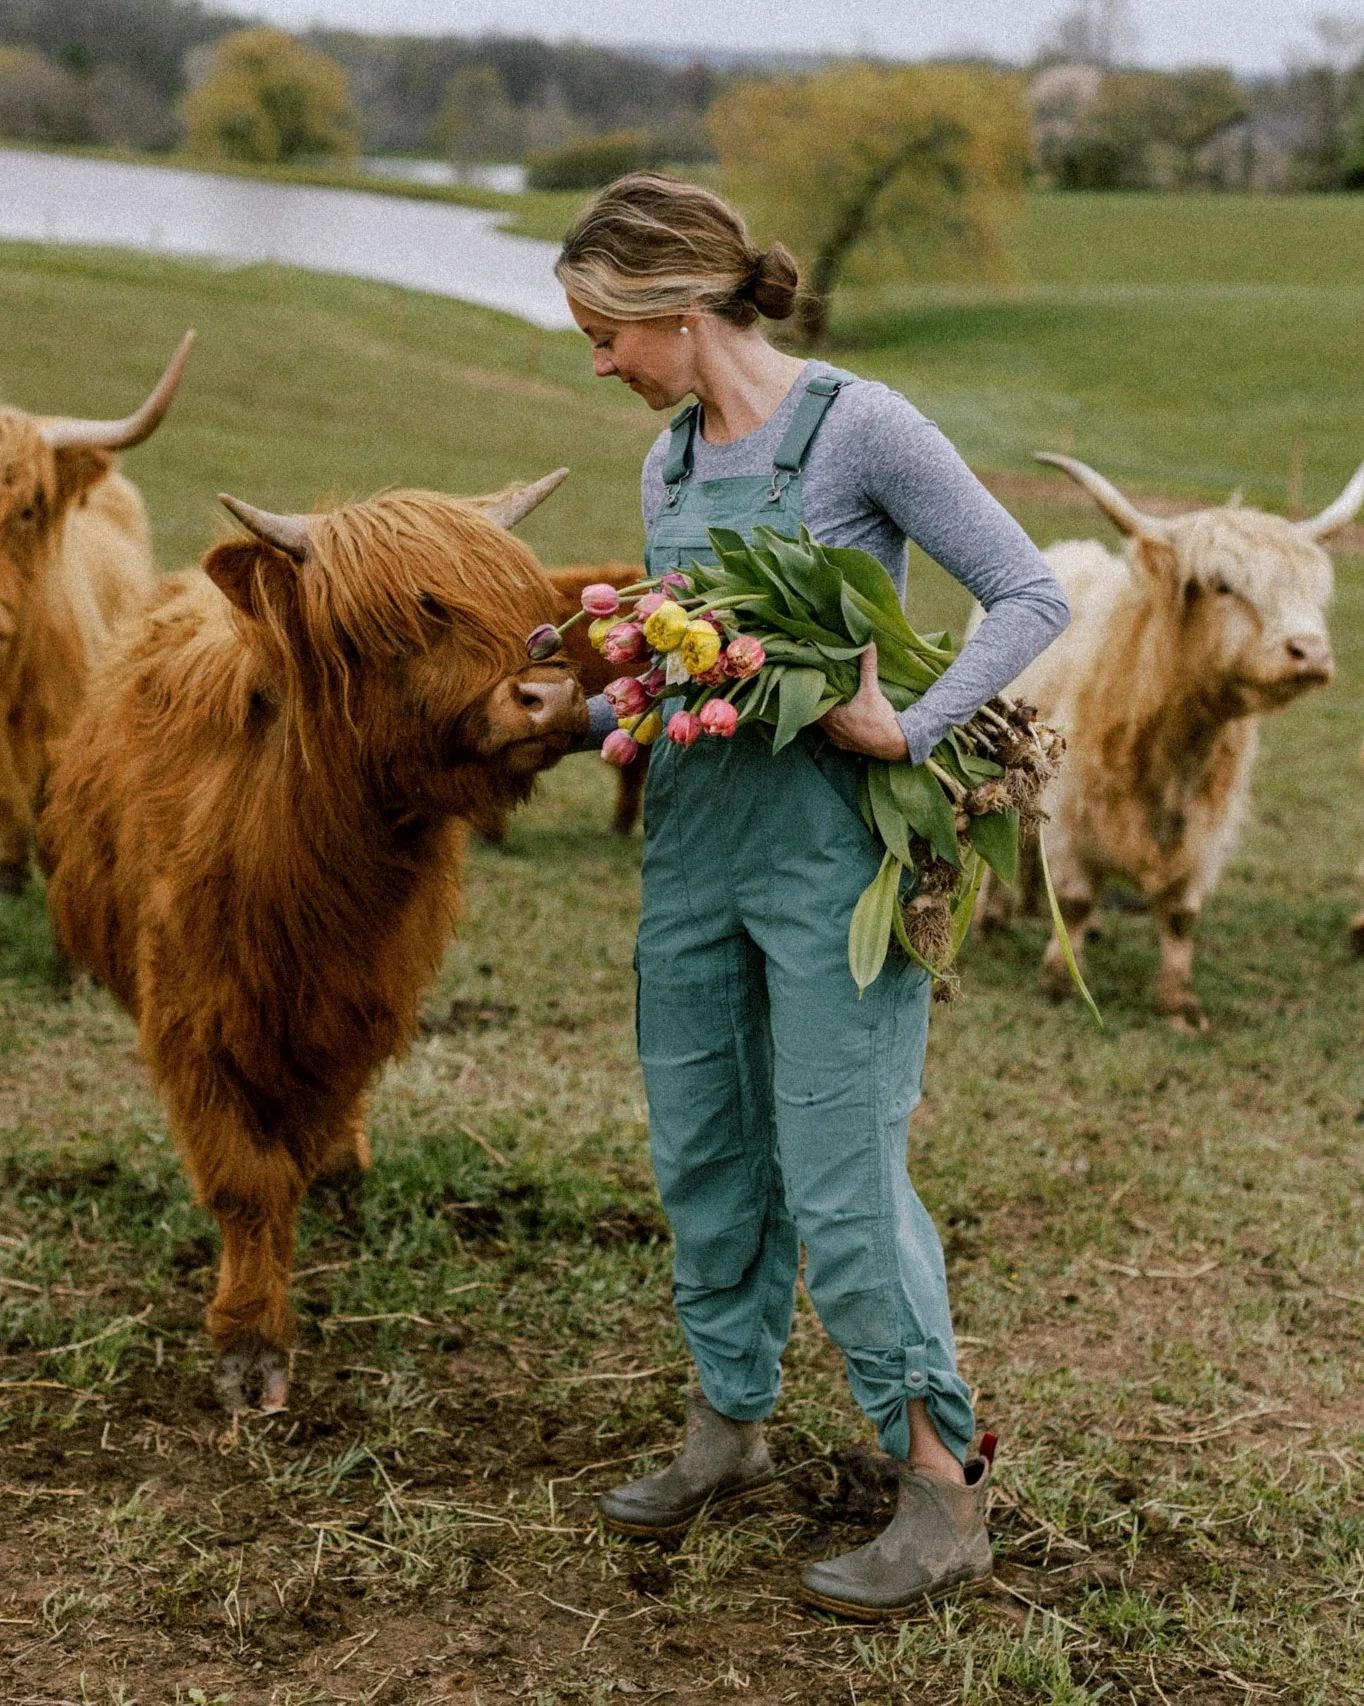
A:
(778, 1101)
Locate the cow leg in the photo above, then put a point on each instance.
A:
(252, 1189)
(342, 1165)
(1175, 996)
(16, 823)
(629, 792)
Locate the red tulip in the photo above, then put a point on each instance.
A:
(600, 599)
(626, 696)
(718, 717)
(684, 727)
(619, 748)
(624, 644)
(744, 656)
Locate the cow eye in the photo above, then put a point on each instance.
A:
(1219, 585)
(27, 513)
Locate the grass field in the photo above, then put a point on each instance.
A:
(1154, 1241)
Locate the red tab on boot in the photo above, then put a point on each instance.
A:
(988, 1443)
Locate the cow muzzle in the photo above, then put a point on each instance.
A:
(1309, 660)
(555, 706)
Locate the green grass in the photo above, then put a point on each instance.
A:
(1154, 1241)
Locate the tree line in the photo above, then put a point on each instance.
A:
(132, 73)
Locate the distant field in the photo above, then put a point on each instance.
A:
(1155, 1242)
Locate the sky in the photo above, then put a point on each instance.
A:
(1251, 36)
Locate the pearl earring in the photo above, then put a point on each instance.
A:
(685, 330)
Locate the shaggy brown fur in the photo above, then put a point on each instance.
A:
(75, 554)
(253, 837)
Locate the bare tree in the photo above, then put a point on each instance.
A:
(1093, 32)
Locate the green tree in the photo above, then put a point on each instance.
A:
(268, 99)
(1150, 127)
(477, 121)
(919, 162)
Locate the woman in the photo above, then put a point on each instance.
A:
(779, 1101)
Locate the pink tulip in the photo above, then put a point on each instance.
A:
(718, 717)
(744, 656)
(713, 676)
(684, 727)
(600, 599)
(624, 644)
(626, 696)
(619, 748)
(543, 641)
(646, 606)
(654, 680)
(674, 582)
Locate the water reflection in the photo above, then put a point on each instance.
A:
(423, 245)
(508, 177)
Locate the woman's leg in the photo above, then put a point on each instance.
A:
(846, 1077)
(705, 1046)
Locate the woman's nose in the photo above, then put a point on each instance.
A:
(602, 364)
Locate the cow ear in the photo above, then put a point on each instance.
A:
(79, 466)
(253, 576)
(1157, 557)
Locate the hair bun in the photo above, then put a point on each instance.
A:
(774, 282)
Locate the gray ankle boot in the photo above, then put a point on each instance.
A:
(936, 1541)
(720, 1460)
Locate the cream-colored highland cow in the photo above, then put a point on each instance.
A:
(1174, 652)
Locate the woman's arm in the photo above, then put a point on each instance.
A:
(913, 473)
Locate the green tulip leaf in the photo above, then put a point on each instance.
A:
(872, 923)
(798, 703)
(925, 807)
(886, 814)
(995, 837)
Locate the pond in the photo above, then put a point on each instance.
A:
(422, 245)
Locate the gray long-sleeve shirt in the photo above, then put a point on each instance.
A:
(877, 475)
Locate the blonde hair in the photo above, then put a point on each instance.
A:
(648, 245)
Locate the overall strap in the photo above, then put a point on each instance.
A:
(811, 410)
(682, 427)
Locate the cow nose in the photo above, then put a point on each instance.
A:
(1311, 654)
(554, 703)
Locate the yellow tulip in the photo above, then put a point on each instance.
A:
(700, 647)
(665, 628)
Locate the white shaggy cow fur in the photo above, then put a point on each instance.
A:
(1172, 654)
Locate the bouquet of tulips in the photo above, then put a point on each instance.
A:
(770, 634)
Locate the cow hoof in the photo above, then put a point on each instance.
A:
(255, 1379)
(1189, 1020)
(13, 877)
(1054, 980)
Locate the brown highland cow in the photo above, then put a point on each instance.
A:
(75, 557)
(253, 838)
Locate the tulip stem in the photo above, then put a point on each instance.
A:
(952, 785)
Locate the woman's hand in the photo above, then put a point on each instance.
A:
(867, 723)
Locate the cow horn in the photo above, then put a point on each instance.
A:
(1126, 517)
(1340, 513)
(516, 505)
(120, 435)
(287, 533)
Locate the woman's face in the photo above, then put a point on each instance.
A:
(652, 357)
